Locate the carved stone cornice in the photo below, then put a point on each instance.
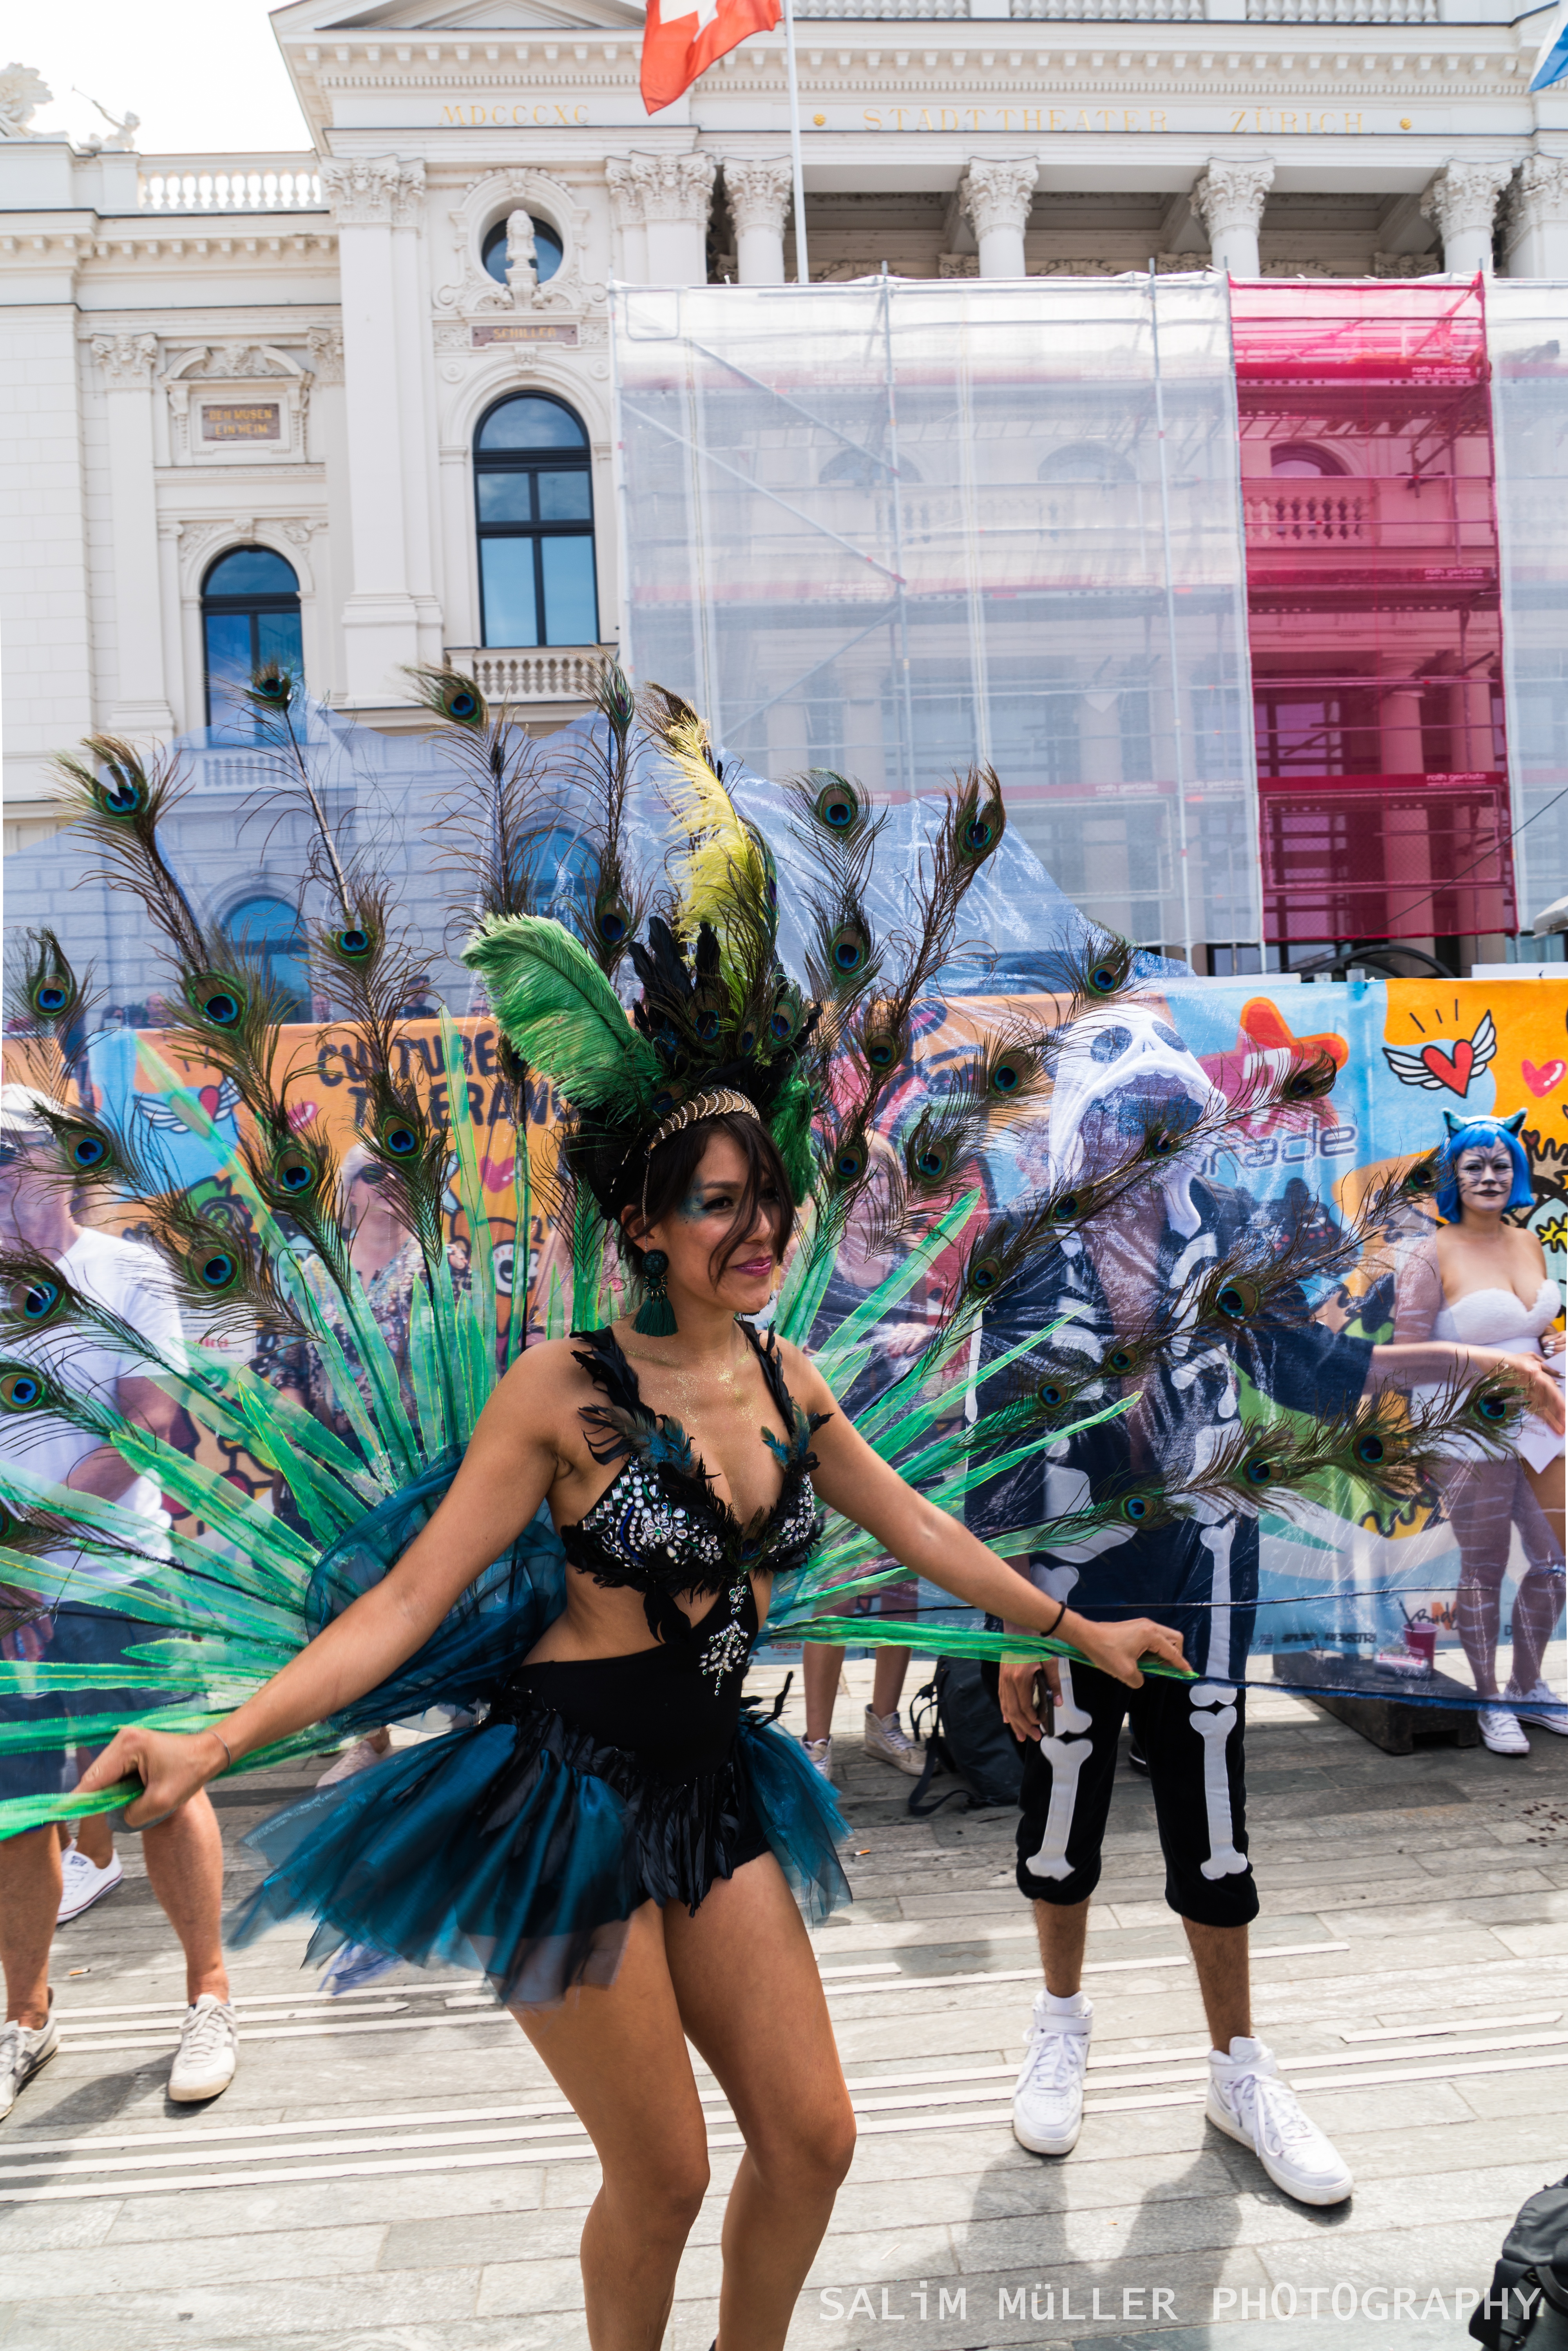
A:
(997, 196)
(1464, 195)
(370, 191)
(1232, 195)
(758, 188)
(126, 360)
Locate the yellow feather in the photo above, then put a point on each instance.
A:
(719, 847)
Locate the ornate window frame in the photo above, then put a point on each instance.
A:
(520, 187)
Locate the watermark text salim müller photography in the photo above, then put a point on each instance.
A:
(1043, 2302)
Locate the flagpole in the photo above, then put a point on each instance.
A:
(802, 267)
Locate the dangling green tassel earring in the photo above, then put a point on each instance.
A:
(655, 1316)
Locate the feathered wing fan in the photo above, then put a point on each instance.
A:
(563, 1017)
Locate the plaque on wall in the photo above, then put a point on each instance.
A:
(242, 419)
(524, 331)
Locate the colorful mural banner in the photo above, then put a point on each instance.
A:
(1370, 1583)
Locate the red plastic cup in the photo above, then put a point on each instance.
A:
(1421, 1640)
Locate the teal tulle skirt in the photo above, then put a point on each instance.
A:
(521, 1845)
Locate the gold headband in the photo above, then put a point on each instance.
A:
(714, 1105)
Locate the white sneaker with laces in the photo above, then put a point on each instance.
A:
(22, 2050)
(887, 1740)
(1048, 2097)
(820, 1755)
(208, 2052)
(1250, 2101)
(1540, 1704)
(357, 1758)
(82, 1883)
(1500, 1731)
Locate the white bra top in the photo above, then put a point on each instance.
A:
(1497, 1318)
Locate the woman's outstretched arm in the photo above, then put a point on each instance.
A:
(856, 1483)
(509, 1467)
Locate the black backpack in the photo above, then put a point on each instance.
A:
(965, 1734)
(1529, 2297)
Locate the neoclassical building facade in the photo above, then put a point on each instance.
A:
(354, 405)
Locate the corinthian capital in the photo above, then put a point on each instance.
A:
(1542, 192)
(996, 195)
(126, 360)
(626, 190)
(366, 190)
(758, 188)
(1464, 196)
(673, 187)
(1232, 195)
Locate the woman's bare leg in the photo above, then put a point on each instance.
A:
(751, 2000)
(620, 2055)
(1480, 1500)
(1538, 1603)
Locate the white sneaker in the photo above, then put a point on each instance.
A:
(1048, 2097)
(22, 2050)
(1540, 1704)
(1500, 1731)
(887, 1740)
(82, 1883)
(1248, 2102)
(820, 1755)
(208, 2052)
(357, 1758)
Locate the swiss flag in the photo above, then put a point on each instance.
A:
(683, 38)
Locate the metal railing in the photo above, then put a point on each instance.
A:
(532, 673)
(227, 183)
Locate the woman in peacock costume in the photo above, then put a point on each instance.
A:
(575, 1544)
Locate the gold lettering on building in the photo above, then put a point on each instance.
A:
(242, 419)
(1254, 122)
(526, 330)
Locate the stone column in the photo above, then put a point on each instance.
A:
(330, 556)
(1228, 199)
(677, 193)
(1538, 230)
(758, 188)
(371, 196)
(1462, 201)
(626, 190)
(995, 199)
(141, 703)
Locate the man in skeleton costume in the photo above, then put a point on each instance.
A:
(1115, 1287)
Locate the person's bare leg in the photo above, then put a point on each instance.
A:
(773, 2053)
(29, 1905)
(1224, 1978)
(1062, 1929)
(95, 1839)
(820, 1670)
(184, 1860)
(1479, 1496)
(887, 1682)
(620, 2055)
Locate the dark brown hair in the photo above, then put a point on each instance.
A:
(664, 1180)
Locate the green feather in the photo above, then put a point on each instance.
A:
(561, 1014)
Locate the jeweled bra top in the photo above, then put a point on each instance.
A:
(659, 1529)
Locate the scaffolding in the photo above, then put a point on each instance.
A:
(891, 528)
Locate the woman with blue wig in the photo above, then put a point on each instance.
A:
(1483, 1280)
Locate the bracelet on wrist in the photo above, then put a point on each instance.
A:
(228, 1751)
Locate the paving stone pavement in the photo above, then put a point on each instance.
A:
(394, 2170)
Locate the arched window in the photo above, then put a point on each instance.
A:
(865, 470)
(1300, 461)
(267, 932)
(250, 615)
(547, 250)
(1085, 461)
(535, 499)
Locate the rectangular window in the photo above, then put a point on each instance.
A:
(506, 575)
(504, 497)
(571, 609)
(565, 498)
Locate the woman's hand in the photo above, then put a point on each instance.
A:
(172, 1767)
(1553, 1343)
(1115, 1649)
(1544, 1391)
(1018, 1690)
